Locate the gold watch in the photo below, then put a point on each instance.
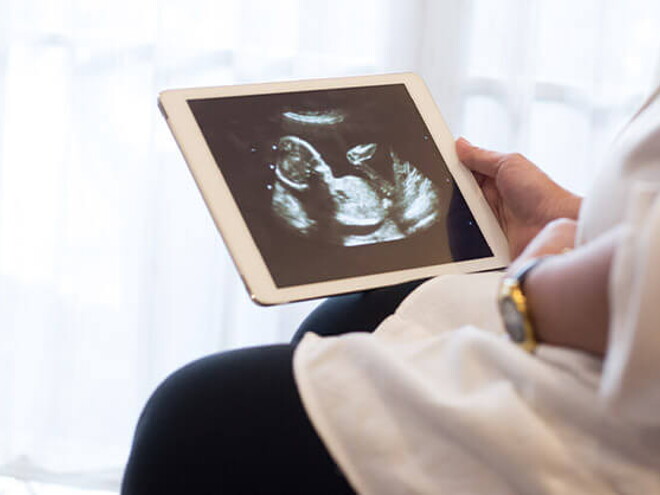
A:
(514, 308)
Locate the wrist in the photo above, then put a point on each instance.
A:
(567, 206)
(567, 298)
(514, 305)
(540, 285)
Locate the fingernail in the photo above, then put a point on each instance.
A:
(465, 141)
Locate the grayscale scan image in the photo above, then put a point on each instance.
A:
(338, 183)
(363, 205)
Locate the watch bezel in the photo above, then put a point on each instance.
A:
(514, 309)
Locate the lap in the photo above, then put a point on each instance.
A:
(233, 423)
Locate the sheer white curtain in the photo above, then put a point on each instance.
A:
(111, 272)
(556, 79)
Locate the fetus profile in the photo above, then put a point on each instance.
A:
(361, 204)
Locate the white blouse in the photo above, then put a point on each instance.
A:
(438, 400)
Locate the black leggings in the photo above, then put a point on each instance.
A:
(234, 423)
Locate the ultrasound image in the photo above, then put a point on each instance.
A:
(338, 183)
(360, 207)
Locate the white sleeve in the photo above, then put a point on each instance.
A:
(630, 384)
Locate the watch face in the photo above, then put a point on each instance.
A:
(513, 320)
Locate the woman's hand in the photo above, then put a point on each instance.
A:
(523, 198)
(568, 294)
(557, 237)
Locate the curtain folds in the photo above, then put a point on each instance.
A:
(112, 273)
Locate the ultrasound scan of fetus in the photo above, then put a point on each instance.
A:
(338, 183)
(343, 194)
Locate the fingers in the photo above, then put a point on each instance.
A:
(556, 237)
(479, 160)
(562, 228)
(492, 198)
(481, 178)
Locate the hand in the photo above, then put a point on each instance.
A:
(523, 198)
(556, 237)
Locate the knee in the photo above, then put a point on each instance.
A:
(196, 421)
(169, 438)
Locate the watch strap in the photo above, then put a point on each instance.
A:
(516, 283)
(526, 269)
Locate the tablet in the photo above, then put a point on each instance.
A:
(323, 187)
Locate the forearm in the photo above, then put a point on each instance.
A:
(568, 296)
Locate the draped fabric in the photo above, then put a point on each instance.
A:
(111, 271)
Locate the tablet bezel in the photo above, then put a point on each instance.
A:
(234, 230)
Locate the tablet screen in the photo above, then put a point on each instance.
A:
(338, 183)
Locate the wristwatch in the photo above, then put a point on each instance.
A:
(514, 309)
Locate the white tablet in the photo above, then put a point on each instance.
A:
(323, 187)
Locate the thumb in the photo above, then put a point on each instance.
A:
(477, 159)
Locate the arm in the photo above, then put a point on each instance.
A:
(568, 294)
